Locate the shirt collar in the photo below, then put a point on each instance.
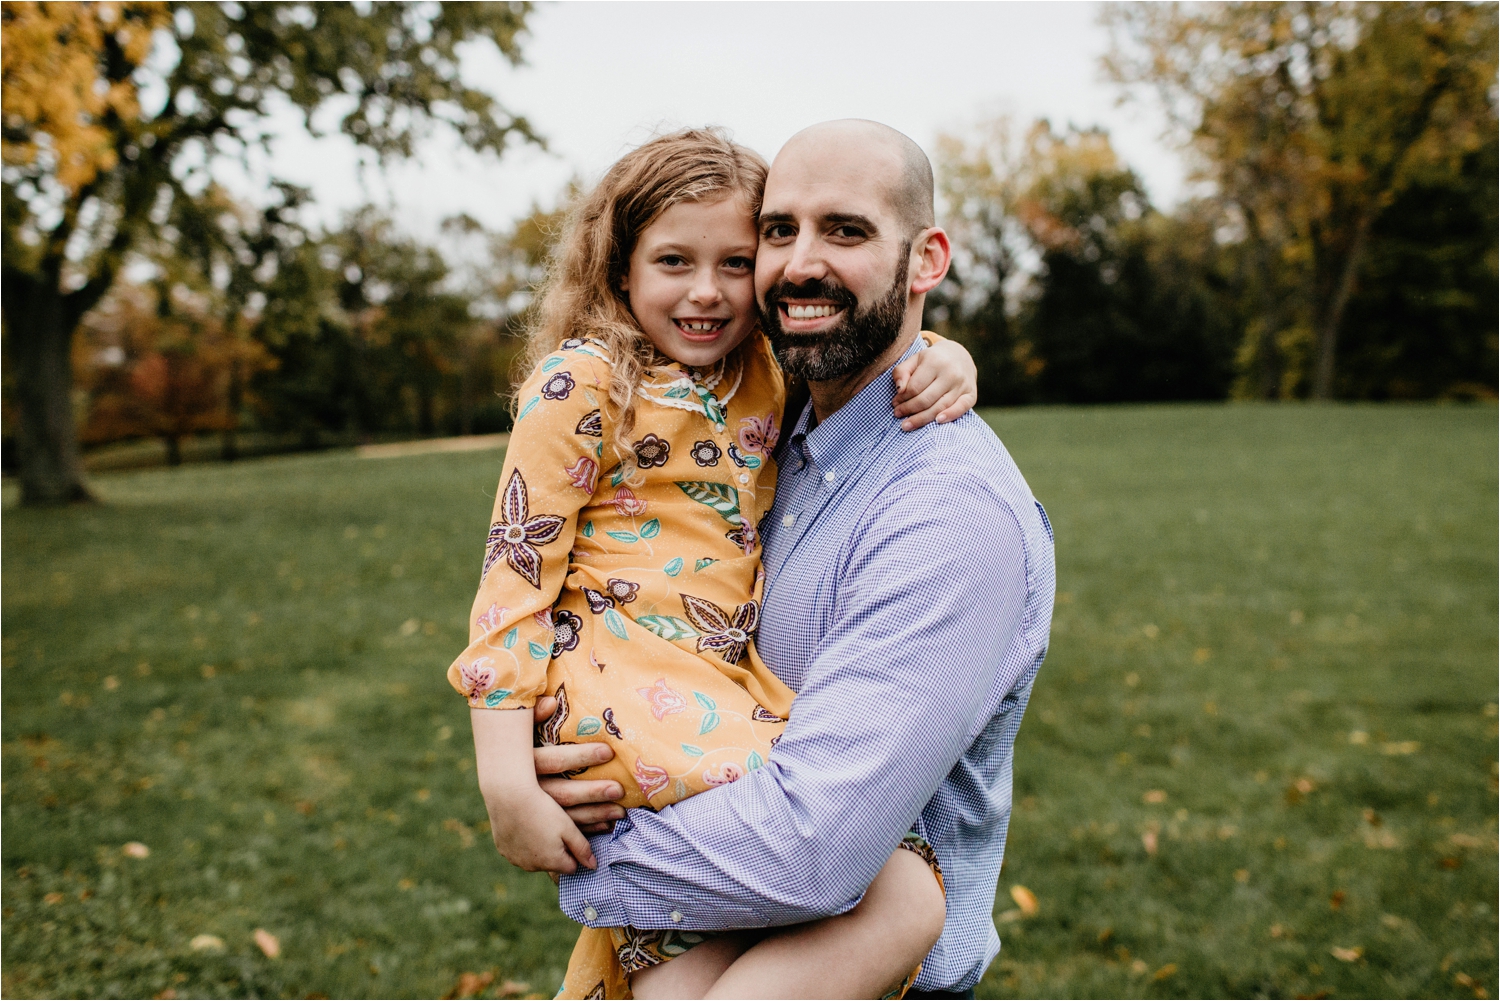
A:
(850, 430)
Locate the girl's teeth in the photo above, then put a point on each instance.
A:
(700, 328)
(810, 312)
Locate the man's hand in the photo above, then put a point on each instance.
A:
(591, 804)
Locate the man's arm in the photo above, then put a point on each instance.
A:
(933, 593)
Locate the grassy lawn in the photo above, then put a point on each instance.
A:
(1260, 759)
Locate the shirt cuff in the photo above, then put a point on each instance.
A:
(588, 895)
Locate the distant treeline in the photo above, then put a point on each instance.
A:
(1339, 241)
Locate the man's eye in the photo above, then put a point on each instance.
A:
(849, 233)
(779, 231)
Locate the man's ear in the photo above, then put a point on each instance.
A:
(934, 254)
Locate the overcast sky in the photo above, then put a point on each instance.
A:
(600, 77)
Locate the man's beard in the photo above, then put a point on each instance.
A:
(850, 345)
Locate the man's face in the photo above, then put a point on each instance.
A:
(831, 272)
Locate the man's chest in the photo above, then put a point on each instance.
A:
(806, 542)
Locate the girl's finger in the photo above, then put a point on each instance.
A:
(913, 382)
(902, 373)
(922, 401)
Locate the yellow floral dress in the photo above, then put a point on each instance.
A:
(632, 593)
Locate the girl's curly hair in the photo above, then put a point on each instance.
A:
(581, 296)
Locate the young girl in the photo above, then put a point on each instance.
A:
(622, 573)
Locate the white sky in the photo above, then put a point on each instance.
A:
(600, 77)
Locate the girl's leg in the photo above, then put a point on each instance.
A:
(691, 974)
(861, 954)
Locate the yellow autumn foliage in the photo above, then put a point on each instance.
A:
(65, 70)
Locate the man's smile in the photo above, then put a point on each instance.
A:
(807, 317)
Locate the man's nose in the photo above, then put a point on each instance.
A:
(806, 263)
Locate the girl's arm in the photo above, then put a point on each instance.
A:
(549, 475)
(529, 828)
(939, 384)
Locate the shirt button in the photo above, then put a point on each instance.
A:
(744, 477)
(676, 917)
(830, 476)
(789, 520)
(591, 914)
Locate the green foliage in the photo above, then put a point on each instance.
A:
(1228, 618)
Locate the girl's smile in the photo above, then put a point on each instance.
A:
(691, 280)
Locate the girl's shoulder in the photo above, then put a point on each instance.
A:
(762, 374)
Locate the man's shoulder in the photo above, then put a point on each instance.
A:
(967, 448)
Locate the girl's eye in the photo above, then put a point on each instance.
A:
(672, 261)
(739, 264)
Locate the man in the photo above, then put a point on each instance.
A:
(908, 602)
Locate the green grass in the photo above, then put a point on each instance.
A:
(243, 669)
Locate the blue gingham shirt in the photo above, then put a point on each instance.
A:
(908, 603)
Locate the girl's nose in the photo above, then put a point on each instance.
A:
(705, 291)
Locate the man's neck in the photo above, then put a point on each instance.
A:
(830, 395)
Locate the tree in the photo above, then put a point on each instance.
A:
(89, 171)
(1310, 120)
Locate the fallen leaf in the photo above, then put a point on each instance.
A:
(1139, 966)
(513, 987)
(1277, 931)
(167, 995)
(135, 849)
(268, 943)
(1007, 917)
(53, 898)
(1148, 839)
(1466, 840)
(1336, 900)
(1396, 747)
(1154, 796)
(470, 984)
(1165, 972)
(306, 807)
(1346, 955)
(1450, 863)
(1242, 875)
(1025, 900)
(206, 943)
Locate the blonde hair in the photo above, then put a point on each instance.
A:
(581, 296)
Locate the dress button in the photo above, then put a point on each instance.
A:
(591, 914)
(830, 476)
(676, 917)
(789, 520)
(719, 428)
(744, 477)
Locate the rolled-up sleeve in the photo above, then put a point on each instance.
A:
(933, 589)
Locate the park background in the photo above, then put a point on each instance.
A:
(1238, 329)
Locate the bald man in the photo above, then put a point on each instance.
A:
(908, 602)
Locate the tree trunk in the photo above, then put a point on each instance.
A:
(41, 325)
(230, 447)
(174, 449)
(1333, 318)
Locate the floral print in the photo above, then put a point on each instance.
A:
(652, 451)
(763, 715)
(724, 634)
(744, 536)
(517, 534)
(706, 453)
(491, 619)
(759, 434)
(610, 724)
(478, 678)
(565, 629)
(664, 701)
(723, 774)
(583, 474)
(591, 424)
(559, 386)
(627, 504)
(622, 590)
(549, 732)
(650, 778)
(598, 603)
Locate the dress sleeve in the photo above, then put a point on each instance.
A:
(550, 471)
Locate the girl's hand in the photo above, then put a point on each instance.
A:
(939, 384)
(534, 833)
(529, 828)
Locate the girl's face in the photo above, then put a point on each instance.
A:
(691, 280)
